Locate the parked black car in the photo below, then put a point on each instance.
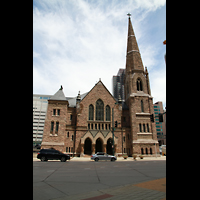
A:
(52, 154)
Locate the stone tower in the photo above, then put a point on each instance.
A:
(138, 98)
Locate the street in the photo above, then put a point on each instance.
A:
(78, 180)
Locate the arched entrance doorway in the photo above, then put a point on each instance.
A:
(88, 146)
(99, 145)
(109, 146)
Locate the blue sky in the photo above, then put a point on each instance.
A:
(76, 42)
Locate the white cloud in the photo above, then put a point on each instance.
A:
(35, 54)
(158, 85)
(77, 42)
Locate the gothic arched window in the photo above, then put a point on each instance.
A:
(91, 112)
(140, 127)
(142, 106)
(139, 85)
(107, 113)
(99, 110)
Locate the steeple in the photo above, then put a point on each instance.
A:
(133, 57)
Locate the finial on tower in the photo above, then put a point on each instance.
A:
(129, 14)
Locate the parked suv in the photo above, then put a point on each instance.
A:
(102, 156)
(52, 154)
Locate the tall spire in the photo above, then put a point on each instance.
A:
(133, 57)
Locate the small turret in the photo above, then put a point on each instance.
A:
(78, 98)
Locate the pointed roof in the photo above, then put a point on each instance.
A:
(132, 43)
(59, 95)
(133, 57)
(101, 83)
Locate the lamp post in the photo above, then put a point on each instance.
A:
(155, 150)
(113, 146)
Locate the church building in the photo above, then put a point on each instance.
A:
(83, 125)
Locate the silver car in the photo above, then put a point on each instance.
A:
(102, 156)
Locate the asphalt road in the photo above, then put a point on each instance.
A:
(55, 179)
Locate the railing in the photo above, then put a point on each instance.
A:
(99, 125)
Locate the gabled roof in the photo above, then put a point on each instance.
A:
(59, 95)
(100, 82)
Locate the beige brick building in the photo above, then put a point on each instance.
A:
(83, 125)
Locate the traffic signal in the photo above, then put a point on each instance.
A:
(160, 117)
(152, 118)
(116, 123)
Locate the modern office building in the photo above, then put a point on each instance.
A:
(118, 84)
(160, 126)
(40, 104)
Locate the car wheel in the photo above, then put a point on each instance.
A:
(43, 158)
(96, 159)
(112, 159)
(63, 159)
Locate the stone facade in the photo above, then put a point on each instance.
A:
(83, 125)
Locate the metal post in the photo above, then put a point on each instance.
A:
(113, 131)
(155, 150)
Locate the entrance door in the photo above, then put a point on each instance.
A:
(88, 146)
(99, 145)
(109, 146)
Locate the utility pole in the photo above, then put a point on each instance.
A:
(113, 131)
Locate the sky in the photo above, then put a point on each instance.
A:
(76, 42)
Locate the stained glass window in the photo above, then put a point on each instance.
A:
(99, 110)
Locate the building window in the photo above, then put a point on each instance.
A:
(142, 106)
(91, 112)
(58, 112)
(67, 134)
(140, 127)
(54, 111)
(72, 137)
(144, 130)
(71, 117)
(57, 125)
(100, 110)
(52, 125)
(147, 127)
(124, 119)
(139, 84)
(107, 113)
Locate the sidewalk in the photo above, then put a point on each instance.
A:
(121, 159)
